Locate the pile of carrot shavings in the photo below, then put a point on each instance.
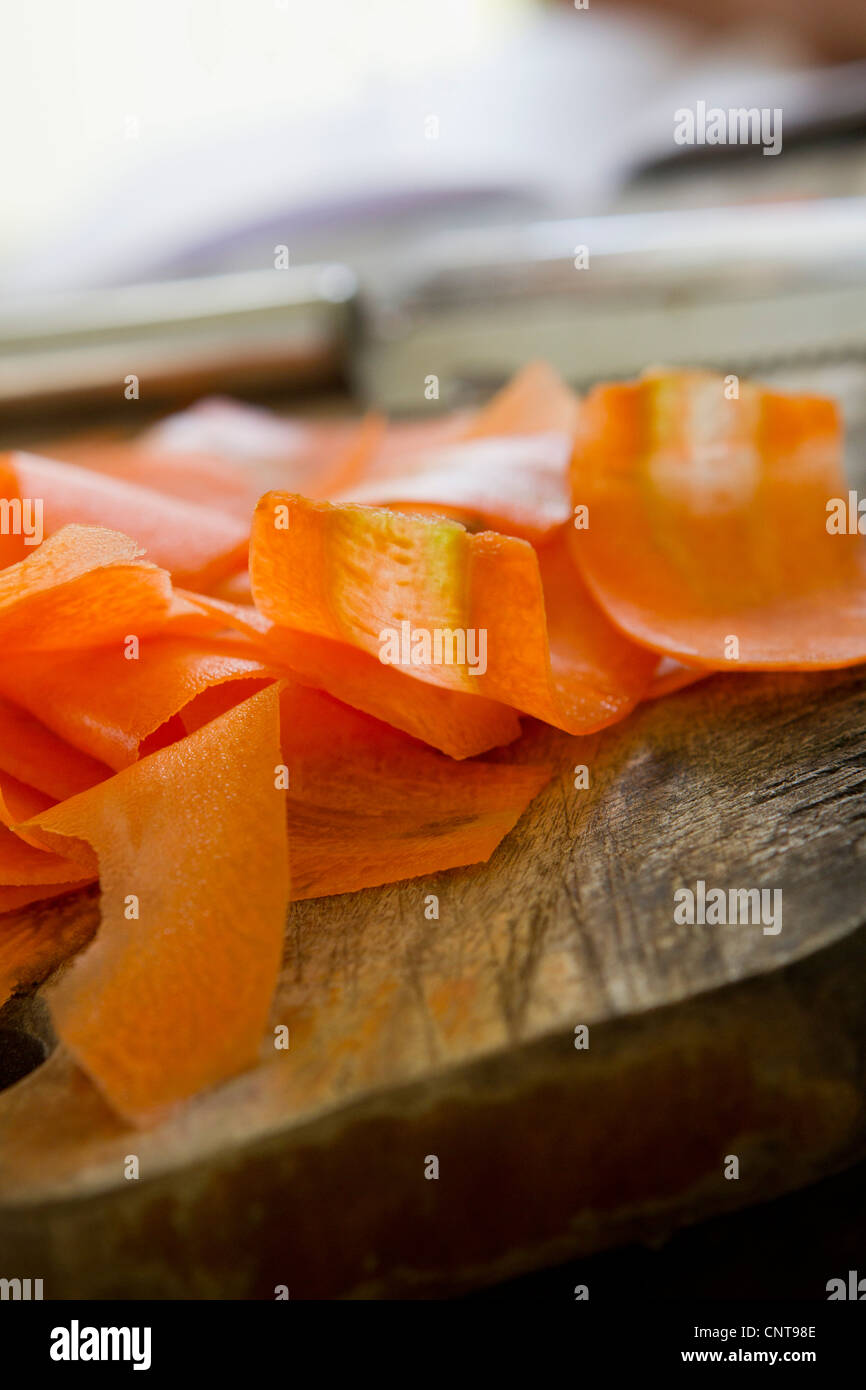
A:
(246, 661)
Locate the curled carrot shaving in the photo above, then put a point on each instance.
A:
(368, 805)
(375, 580)
(503, 469)
(197, 544)
(707, 538)
(173, 993)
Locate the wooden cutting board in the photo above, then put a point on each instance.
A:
(455, 1038)
(412, 1037)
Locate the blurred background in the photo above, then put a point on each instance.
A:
(418, 158)
(145, 137)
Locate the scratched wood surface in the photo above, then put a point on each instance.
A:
(455, 1037)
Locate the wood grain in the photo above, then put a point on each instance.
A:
(454, 1037)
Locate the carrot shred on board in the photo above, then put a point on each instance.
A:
(197, 544)
(212, 721)
(504, 469)
(106, 705)
(22, 863)
(17, 969)
(535, 400)
(503, 466)
(515, 484)
(367, 805)
(225, 454)
(80, 587)
(457, 724)
(19, 801)
(264, 447)
(173, 996)
(31, 753)
(374, 579)
(708, 538)
(671, 676)
(236, 589)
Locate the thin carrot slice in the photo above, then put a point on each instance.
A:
(21, 962)
(303, 455)
(384, 446)
(671, 676)
(19, 801)
(708, 534)
(516, 485)
(221, 613)
(216, 700)
(457, 724)
(174, 999)
(221, 484)
(503, 466)
(235, 589)
(223, 454)
(31, 753)
(83, 586)
(106, 705)
(30, 874)
(387, 584)
(22, 863)
(597, 676)
(506, 469)
(536, 400)
(197, 544)
(367, 805)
